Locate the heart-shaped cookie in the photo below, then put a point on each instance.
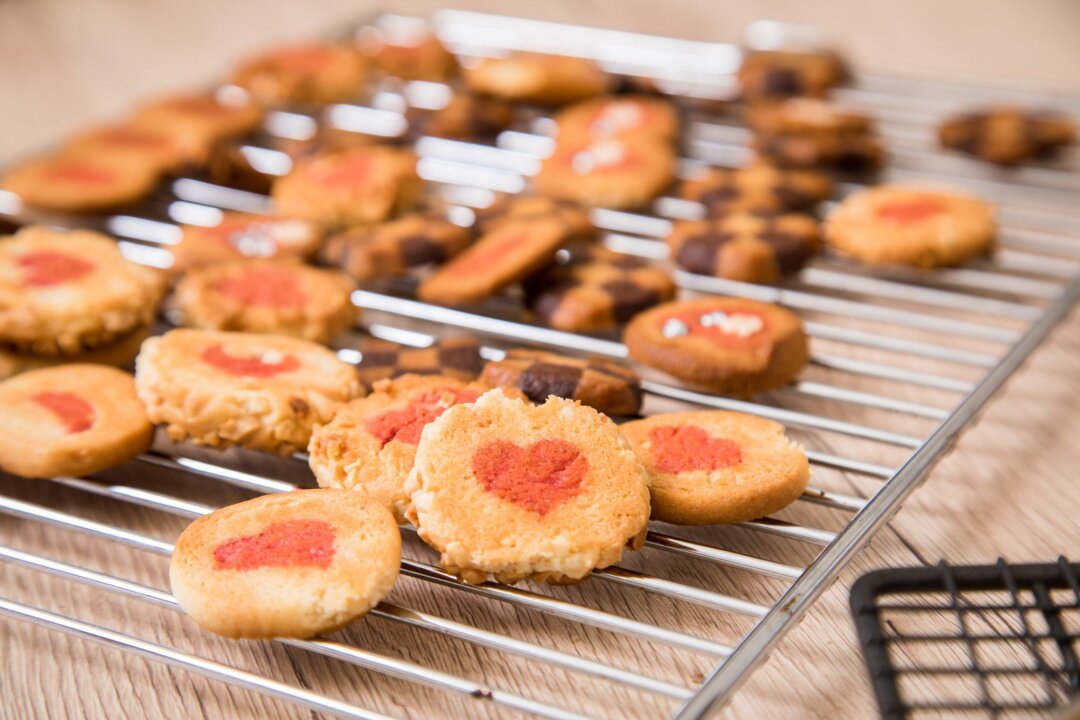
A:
(538, 477)
(290, 543)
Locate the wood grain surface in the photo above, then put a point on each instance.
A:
(1008, 489)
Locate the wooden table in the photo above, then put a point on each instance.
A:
(1009, 488)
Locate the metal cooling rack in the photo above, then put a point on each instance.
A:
(902, 361)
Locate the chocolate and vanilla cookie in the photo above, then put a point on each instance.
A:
(535, 78)
(504, 489)
(591, 288)
(745, 247)
(454, 357)
(923, 227)
(760, 188)
(302, 74)
(612, 172)
(239, 235)
(1007, 135)
(776, 74)
(727, 345)
(626, 116)
(717, 467)
(816, 134)
(393, 247)
(199, 121)
(531, 207)
(607, 386)
(83, 181)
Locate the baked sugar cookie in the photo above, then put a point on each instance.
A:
(897, 225)
(394, 247)
(536, 78)
(760, 188)
(81, 181)
(624, 116)
(456, 357)
(610, 172)
(219, 389)
(716, 467)
(295, 564)
(120, 353)
(199, 121)
(138, 144)
(507, 490)
(240, 235)
(70, 420)
(726, 345)
(302, 74)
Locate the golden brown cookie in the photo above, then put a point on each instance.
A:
(120, 353)
(813, 133)
(302, 74)
(897, 225)
(279, 297)
(139, 143)
(716, 467)
(535, 78)
(455, 357)
(776, 74)
(464, 116)
(760, 188)
(625, 116)
(409, 56)
(512, 208)
(393, 247)
(295, 564)
(240, 235)
(1007, 135)
(82, 181)
(65, 292)
(727, 345)
(263, 392)
(70, 420)
(610, 172)
(199, 121)
(507, 490)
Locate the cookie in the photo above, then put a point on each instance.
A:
(1007, 135)
(393, 247)
(778, 74)
(65, 292)
(279, 297)
(199, 121)
(610, 172)
(897, 225)
(726, 345)
(295, 564)
(502, 256)
(457, 358)
(302, 74)
(70, 420)
(707, 468)
(745, 247)
(760, 188)
(82, 181)
(409, 55)
(592, 288)
(263, 392)
(353, 187)
(624, 116)
(141, 144)
(607, 386)
(371, 442)
(512, 491)
(536, 78)
(465, 116)
(240, 235)
(120, 353)
(531, 207)
(814, 133)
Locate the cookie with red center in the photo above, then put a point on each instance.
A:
(897, 225)
(512, 208)
(409, 55)
(509, 490)
(608, 172)
(1007, 135)
(119, 353)
(135, 143)
(82, 181)
(394, 247)
(814, 133)
(199, 121)
(295, 564)
(716, 467)
(778, 74)
(623, 116)
(263, 392)
(371, 442)
(353, 187)
(726, 345)
(240, 235)
(760, 188)
(302, 74)
(456, 357)
(744, 247)
(70, 420)
(65, 292)
(279, 297)
(536, 78)
(500, 257)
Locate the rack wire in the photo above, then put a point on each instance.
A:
(902, 362)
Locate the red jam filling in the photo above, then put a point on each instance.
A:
(682, 448)
(76, 414)
(911, 211)
(538, 478)
(78, 173)
(133, 138)
(43, 268)
(481, 259)
(605, 155)
(292, 543)
(728, 326)
(404, 425)
(263, 287)
(216, 356)
(344, 171)
(619, 116)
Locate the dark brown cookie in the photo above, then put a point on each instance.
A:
(391, 248)
(761, 188)
(464, 116)
(813, 133)
(604, 385)
(595, 289)
(777, 74)
(454, 357)
(1007, 135)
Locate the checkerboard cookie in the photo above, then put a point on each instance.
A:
(813, 133)
(535, 78)
(454, 357)
(610, 172)
(512, 208)
(1007, 135)
(777, 74)
(760, 188)
(302, 74)
(240, 235)
(394, 247)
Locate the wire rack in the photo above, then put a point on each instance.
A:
(902, 361)
(976, 641)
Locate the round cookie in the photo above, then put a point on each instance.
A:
(716, 467)
(82, 181)
(409, 55)
(263, 392)
(610, 172)
(512, 491)
(813, 133)
(777, 74)
(760, 188)
(726, 345)
(119, 353)
(302, 74)
(625, 116)
(70, 420)
(745, 247)
(65, 292)
(141, 144)
(1007, 135)
(530, 207)
(240, 235)
(897, 225)
(536, 78)
(371, 442)
(393, 247)
(294, 564)
(353, 187)
(278, 297)
(199, 121)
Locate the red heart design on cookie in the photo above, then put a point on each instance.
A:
(911, 211)
(682, 448)
(48, 267)
(76, 414)
(290, 543)
(538, 477)
(266, 365)
(405, 424)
